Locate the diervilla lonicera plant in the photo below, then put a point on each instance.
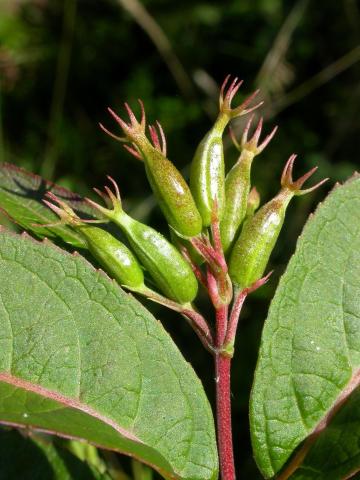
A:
(215, 216)
(221, 239)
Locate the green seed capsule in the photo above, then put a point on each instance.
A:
(114, 256)
(170, 271)
(116, 259)
(238, 183)
(169, 187)
(173, 195)
(207, 176)
(253, 248)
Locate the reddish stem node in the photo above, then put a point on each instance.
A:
(206, 251)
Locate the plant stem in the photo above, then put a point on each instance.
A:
(221, 325)
(223, 399)
(223, 415)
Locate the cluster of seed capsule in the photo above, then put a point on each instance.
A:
(219, 236)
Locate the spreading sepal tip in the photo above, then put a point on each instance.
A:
(169, 187)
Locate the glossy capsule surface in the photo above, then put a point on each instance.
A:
(237, 188)
(251, 252)
(117, 260)
(172, 193)
(207, 175)
(170, 271)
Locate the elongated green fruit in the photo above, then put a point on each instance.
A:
(116, 259)
(238, 184)
(170, 271)
(168, 268)
(173, 194)
(207, 175)
(253, 248)
(169, 187)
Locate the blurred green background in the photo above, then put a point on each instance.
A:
(63, 62)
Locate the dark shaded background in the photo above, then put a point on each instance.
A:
(63, 62)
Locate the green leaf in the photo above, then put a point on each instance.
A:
(310, 349)
(80, 357)
(336, 452)
(37, 458)
(21, 195)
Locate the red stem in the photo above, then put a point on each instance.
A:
(221, 325)
(223, 408)
(223, 399)
(225, 335)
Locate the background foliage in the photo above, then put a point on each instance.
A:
(63, 62)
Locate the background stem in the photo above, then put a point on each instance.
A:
(61, 79)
